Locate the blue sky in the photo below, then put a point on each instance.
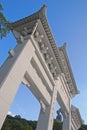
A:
(68, 22)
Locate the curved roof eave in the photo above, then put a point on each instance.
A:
(63, 48)
(41, 14)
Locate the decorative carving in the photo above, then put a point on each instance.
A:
(38, 37)
(18, 36)
(36, 34)
(44, 50)
(26, 31)
(11, 52)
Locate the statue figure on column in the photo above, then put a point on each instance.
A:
(59, 116)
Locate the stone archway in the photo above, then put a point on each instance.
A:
(37, 62)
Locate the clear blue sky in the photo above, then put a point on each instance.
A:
(68, 22)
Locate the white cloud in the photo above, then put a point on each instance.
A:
(11, 114)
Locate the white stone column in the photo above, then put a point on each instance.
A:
(46, 117)
(11, 75)
(67, 120)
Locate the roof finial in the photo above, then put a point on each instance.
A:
(44, 6)
(42, 11)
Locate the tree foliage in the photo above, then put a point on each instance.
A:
(4, 29)
(18, 123)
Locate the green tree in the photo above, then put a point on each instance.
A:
(28, 127)
(4, 29)
(57, 126)
(7, 124)
(18, 116)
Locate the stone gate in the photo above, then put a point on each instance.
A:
(44, 68)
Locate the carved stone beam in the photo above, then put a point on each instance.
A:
(44, 49)
(48, 59)
(53, 70)
(38, 37)
(18, 36)
(28, 31)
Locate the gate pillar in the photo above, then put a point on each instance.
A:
(67, 120)
(11, 75)
(46, 116)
